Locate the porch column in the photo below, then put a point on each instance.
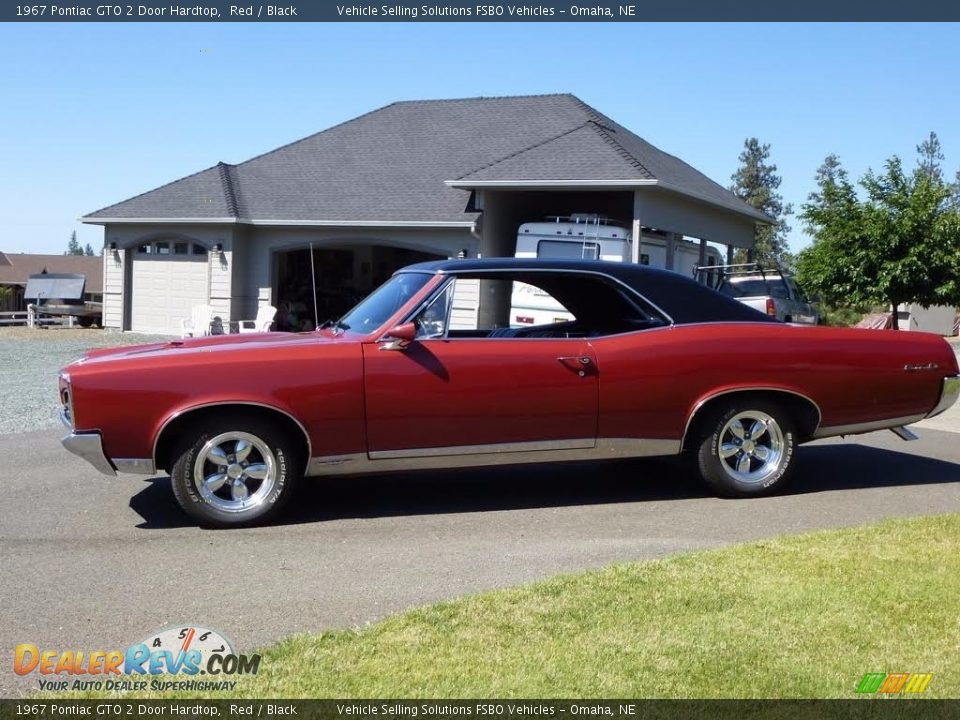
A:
(671, 248)
(635, 230)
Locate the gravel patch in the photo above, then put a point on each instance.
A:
(29, 362)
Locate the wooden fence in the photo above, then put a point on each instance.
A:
(31, 319)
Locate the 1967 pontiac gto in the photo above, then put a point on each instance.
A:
(435, 370)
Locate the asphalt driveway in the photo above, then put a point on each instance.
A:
(89, 562)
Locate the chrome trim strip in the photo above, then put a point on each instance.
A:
(758, 388)
(572, 444)
(604, 449)
(218, 403)
(865, 427)
(65, 418)
(135, 466)
(948, 395)
(89, 446)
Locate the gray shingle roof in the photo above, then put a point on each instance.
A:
(392, 164)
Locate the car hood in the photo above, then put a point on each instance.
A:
(214, 343)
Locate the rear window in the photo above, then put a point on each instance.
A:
(568, 250)
(753, 287)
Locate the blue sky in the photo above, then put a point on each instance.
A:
(95, 113)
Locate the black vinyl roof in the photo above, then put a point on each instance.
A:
(683, 299)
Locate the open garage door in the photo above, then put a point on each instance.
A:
(343, 276)
(169, 278)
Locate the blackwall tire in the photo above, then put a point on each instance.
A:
(747, 449)
(236, 472)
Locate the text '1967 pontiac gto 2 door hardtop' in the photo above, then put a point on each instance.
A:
(431, 371)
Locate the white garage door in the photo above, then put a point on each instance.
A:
(169, 278)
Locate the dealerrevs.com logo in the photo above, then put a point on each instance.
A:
(187, 650)
(890, 684)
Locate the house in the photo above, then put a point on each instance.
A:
(16, 268)
(411, 181)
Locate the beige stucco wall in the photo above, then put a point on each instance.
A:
(656, 208)
(117, 265)
(241, 276)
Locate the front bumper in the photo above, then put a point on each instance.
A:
(89, 446)
(948, 395)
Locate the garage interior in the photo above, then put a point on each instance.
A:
(342, 276)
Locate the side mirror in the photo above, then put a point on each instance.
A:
(399, 337)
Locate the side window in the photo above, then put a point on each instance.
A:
(778, 289)
(568, 249)
(433, 320)
(534, 305)
(531, 305)
(796, 291)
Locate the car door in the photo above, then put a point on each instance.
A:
(442, 395)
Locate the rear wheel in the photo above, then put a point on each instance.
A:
(234, 472)
(747, 449)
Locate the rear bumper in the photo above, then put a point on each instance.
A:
(89, 446)
(948, 395)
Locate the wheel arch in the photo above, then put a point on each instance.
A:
(803, 409)
(182, 419)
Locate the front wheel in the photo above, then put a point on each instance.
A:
(234, 473)
(747, 449)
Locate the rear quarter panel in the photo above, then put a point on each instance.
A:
(652, 381)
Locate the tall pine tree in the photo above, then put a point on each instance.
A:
(73, 247)
(929, 157)
(756, 182)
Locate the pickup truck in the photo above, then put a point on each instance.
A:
(769, 291)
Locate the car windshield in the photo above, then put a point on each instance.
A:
(375, 309)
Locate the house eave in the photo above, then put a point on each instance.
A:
(277, 222)
(462, 184)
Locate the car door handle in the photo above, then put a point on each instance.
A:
(580, 364)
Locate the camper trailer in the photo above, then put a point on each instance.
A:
(590, 237)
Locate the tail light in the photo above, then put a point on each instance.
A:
(771, 307)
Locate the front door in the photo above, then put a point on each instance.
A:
(464, 395)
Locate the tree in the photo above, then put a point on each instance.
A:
(756, 182)
(73, 247)
(899, 244)
(88, 249)
(929, 157)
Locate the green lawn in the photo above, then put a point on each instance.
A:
(799, 616)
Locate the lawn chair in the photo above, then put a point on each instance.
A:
(199, 322)
(263, 322)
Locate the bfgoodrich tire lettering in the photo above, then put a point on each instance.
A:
(747, 448)
(234, 472)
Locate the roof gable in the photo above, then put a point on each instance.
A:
(393, 165)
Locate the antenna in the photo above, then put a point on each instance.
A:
(313, 282)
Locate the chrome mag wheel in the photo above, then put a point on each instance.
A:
(751, 447)
(235, 471)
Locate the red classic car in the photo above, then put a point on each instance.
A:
(432, 370)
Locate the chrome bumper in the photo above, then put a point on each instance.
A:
(948, 395)
(89, 446)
